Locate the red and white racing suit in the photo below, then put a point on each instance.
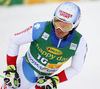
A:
(29, 35)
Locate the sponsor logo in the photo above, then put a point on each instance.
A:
(46, 54)
(33, 61)
(45, 36)
(39, 66)
(73, 46)
(44, 69)
(65, 14)
(50, 55)
(23, 31)
(49, 70)
(54, 51)
(37, 26)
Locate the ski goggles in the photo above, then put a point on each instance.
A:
(62, 24)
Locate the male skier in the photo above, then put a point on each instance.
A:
(53, 43)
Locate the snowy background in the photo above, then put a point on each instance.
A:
(16, 18)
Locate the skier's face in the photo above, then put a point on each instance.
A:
(64, 25)
(60, 33)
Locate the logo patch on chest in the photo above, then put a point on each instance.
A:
(45, 36)
(73, 46)
(54, 51)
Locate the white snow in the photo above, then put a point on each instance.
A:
(16, 18)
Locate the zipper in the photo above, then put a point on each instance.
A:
(59, 43)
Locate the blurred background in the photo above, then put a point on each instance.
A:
(16, 15)
(14, 2)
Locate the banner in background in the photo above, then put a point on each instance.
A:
(14, 2)
(33, 1)
(10, 2)
(43, 1)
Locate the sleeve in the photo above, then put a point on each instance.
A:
(26, 36)
(38, 29)
(16, 40)
(77, 62)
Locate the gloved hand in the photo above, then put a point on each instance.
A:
(12, 77)
(47, 82)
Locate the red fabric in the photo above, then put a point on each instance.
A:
(11, 60)
(3, 86)
(62, 76)
(36, 87)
